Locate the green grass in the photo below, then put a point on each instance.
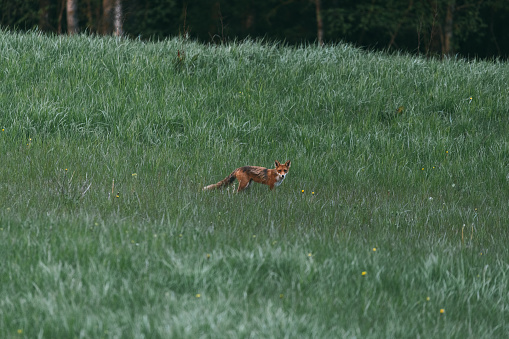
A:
(426, 185)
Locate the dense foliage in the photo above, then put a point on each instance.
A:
(471, 28)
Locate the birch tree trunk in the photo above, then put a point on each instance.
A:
(112, 17)
(117, 20)
(72, 16)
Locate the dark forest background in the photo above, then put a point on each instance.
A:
(468, 28)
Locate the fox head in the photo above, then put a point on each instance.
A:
(282, 170)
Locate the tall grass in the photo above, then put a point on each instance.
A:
(399, 170)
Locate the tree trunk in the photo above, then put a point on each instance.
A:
(91, 23)
(63, 4)
(448, 30)
(117, 20)
(403, 18)
(319, 21)
(107, 19)
(44, 24)
(72, 16)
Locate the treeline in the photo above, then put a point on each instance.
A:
(470, 28)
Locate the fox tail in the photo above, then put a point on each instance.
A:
(225, 182)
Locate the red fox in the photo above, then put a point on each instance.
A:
(262, 175)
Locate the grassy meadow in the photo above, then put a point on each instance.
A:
(392, 222)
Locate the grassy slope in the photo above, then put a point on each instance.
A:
(282, 263)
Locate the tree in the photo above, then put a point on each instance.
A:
(44, 22)
(319, 21)
(117, 20)
(72, 16)
(107, 17)
(448, 33)
(455, 20)
(112, 17)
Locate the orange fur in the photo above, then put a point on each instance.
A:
(244, 175)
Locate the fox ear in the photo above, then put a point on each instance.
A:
(288, 163)
(277, 163)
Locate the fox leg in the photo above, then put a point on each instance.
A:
(243, 184)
